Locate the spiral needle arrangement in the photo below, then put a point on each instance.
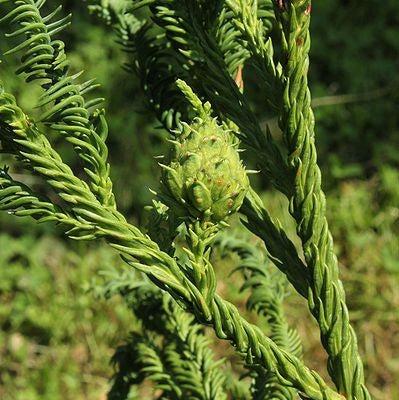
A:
(189, 57)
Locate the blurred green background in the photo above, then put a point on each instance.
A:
(57, 337)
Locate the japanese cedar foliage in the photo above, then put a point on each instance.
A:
(190, 56)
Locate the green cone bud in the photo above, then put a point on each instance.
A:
(205, 174)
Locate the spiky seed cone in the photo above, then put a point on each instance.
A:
(205, 174)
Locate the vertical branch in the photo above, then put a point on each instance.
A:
(326, 294)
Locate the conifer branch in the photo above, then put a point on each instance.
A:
(19, 200)
(326, 294)
(20, 137)
(205, 180)
(279, 246)
(252, 30)
(268, 290)
(44, 59)
(171, 350)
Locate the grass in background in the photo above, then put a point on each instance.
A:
(56, 338)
